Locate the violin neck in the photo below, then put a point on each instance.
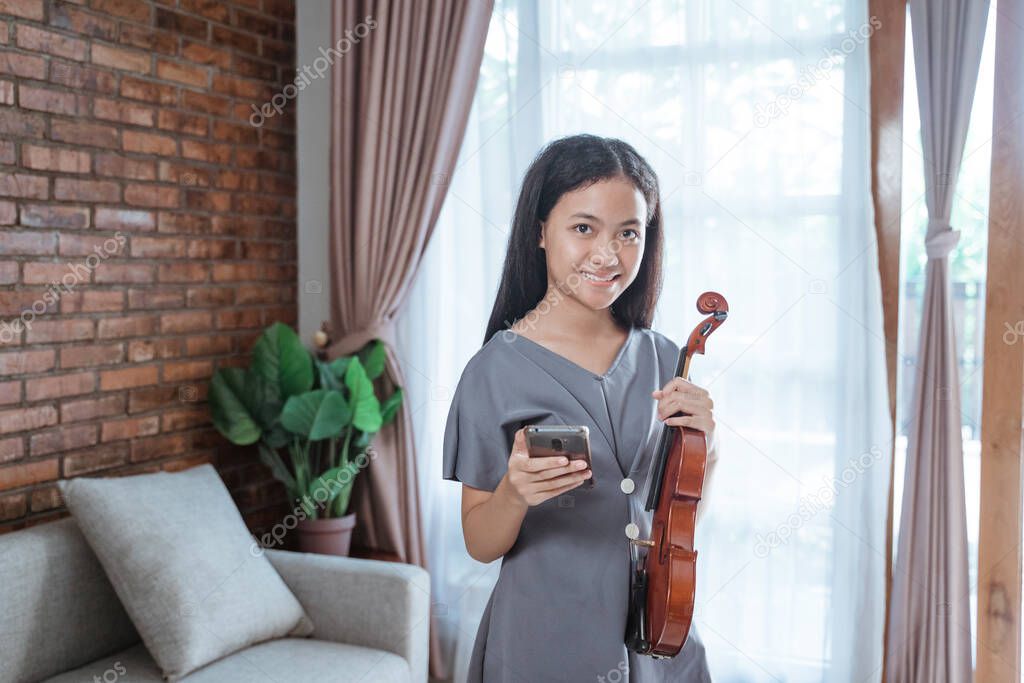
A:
(657, 472)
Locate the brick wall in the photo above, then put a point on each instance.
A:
(147, 236)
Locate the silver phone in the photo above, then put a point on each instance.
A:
(570, 441)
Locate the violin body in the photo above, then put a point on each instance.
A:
(664, 580)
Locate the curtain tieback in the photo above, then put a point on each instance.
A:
(352, 341)
(940, 240)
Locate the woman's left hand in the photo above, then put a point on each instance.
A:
(680, 395)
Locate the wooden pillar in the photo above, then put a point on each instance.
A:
(999, 544)
(887, 49)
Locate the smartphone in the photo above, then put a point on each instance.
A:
(571, 441)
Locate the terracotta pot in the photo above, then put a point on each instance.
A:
(330, 536)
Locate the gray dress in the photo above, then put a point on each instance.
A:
(558, 610)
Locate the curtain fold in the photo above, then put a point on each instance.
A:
(929, 636)
(403, 86)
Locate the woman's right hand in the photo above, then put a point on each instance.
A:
(531, 481)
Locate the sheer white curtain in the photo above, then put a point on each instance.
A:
(754, 115)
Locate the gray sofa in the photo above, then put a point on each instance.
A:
(61, 621)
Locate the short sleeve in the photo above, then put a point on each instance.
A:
(476, 445)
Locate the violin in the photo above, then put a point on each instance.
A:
(663, 568)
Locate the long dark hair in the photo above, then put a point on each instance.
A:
(564, 165)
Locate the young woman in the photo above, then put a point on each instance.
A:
(569, 342)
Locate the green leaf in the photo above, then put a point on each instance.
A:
(338, 366)
(362, 399)
(315, 415)
(228, 409)
(390, 407)
(326, 376)
(335, 482)
(271, 459)
(374, 357)
(284, 364)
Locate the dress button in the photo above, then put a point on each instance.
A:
(627, 485)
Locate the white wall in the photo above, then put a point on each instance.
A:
(313, 30)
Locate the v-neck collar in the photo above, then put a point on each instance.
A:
(578, 367)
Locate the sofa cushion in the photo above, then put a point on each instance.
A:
(57, 608)
(181, 560)
(290, 659)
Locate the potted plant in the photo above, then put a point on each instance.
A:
(323, 414)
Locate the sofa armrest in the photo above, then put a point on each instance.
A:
(383, 605)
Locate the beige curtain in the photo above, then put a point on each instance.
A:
(929, 639)
(403, 78)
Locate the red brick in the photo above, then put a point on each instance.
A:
(208, 104)
(26, 244)
(13, 506)
(125, 167)
(24, 185)
(138, 89)
(92, 301)
(22, 124)
(121, 58)
(26, 66)
(10, 392)
(206, 151)
(7, 153)
(197, 76)
(89, 409)
(25, 419)
(44, 331)
(185, 419)
(11, 450)
(254, 23)
(118, 219)
(160, 447)
(125, 112)
(82, 77)
(91, 355)
(111, 380)
(211, 9)
(95, 460)
(54, 216)
(117, 273)
(46, 498)
(128, 326)
(136, 10)
(148, 143)
(150, 298)
(8, 276)
(38, 40)
(130, 428)
(8, 213)
(236, 39)
(54, 159)
(190, 124)
(176, 22)
(84, 245)
(3, 32)
(29, 9)
(201, 53)
(159, 196)
(26, 362)
(186, 370)
(183, 272)
(86, 190)
(255, 68)
(148, 38)
(63, 439)
(53, 101)
(80, 133)
(158, 247)
(79, 21)
(7, 93)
